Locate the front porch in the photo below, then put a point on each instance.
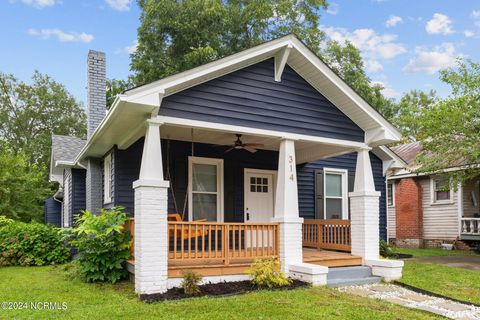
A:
(199, 246)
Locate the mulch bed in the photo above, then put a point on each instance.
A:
(216, 290)
(400, 256)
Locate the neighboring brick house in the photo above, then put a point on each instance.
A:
(424, 211)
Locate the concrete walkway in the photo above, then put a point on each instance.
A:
(411, 299)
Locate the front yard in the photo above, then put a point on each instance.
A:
(87, 301)
(457, 283)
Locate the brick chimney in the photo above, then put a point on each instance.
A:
(97, 103)
(409, 213)
(96, 89)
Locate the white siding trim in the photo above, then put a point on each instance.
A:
(107, 179)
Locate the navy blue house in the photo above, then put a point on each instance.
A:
(262, 138)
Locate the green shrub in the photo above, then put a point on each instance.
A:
(4, 221)
(31, 244)
(103, 246)
(266, 273)
(190, 283)
(386, 250)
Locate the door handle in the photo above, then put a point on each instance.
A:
(248, 216)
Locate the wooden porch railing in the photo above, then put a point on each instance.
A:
(225, 242)
(130, 226)
(470, 226)
(215, 242)
(327, 234)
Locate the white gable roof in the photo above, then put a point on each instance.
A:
(300, 59)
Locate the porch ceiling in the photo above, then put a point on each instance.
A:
(306, 151)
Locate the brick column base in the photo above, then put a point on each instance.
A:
(151, 237)
(290, 241)
(365, 232)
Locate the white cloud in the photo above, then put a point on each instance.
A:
(60, 35)
(439, 24)
(374, 46)
(333, 9)
(476, 14)
(468, 33)
(119, 5)
(373, 66)
(387, 90)
(128, 49)
(430, 61)
(39, 3)
(393, 21)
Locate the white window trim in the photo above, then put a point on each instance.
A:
(66, 204)
(433, 201)
(219, 193)
(107, 179)
(344, 175)
(393, 195)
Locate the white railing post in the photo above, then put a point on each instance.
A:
(286, 207)
(151, 203)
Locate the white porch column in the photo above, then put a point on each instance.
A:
(286, 207)
(364, 206)
(151, 202)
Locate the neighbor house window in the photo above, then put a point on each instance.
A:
(391, 194)
(335, 186)
(107, 179)
(205, 196)
(441, 190)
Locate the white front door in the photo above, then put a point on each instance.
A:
(259, 204)
(259, 193)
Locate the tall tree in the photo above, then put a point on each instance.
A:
(31, 113)
(410, 108)
(23, 186)
(450, 128)
(179, 35)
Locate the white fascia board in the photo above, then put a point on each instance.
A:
(181, 122)
(410, 174)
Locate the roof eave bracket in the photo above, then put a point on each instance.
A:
(281, 60)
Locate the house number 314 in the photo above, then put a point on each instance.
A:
(290, 161)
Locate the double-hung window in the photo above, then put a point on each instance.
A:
(336, 200)
(205, 184)
(441, 191)
(390, 194)
(107, 179)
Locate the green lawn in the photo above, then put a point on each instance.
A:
(452, 282)
(418, 253)
(87, 301)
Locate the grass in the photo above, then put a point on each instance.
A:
(419, 253)
(451, 282)
(90, 301)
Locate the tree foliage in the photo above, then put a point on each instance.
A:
(450, 128)
(31, 113)
(178, 35)
(23, 186)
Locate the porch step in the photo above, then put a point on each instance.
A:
(350, 276)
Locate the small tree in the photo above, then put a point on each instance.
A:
(103, 245)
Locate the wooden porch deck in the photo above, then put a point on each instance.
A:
(213, 267)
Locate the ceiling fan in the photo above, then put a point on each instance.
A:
(238, 144)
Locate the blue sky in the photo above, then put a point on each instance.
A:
(404, 43)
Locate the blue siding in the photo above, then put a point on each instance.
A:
(78, 190)
(251, 97)
(127, 166)
(53, 212)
